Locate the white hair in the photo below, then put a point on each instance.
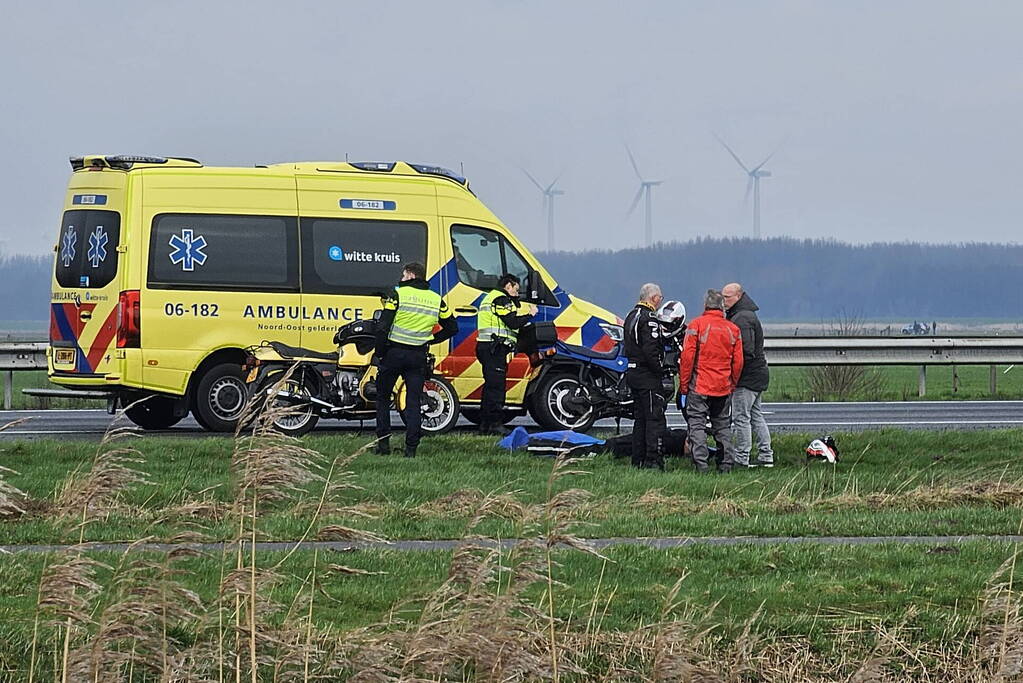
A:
(648, 291)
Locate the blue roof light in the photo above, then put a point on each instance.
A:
(428, 169)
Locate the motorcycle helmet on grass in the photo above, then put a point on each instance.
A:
(824, 449)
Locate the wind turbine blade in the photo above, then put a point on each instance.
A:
(634, 166)
(761, 164)
(771, 154)
(528, 175)
(749, 188)
(553, 183)
(635, 201)
(734, 155)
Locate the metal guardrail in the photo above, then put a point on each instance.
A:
(921, 351)
(20, 356)
(893, 350)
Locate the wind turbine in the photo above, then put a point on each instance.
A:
(549, 193)
(644, 189)
(753, 182)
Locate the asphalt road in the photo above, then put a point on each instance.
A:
(781, 417)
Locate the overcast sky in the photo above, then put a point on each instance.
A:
(896, 120)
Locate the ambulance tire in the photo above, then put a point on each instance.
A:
(155, 412)
(220, 397)
(551, 408)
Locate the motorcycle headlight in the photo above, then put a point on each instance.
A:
(616, 332)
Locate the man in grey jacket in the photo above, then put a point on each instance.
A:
(747, 416)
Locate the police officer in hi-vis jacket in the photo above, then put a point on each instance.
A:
(500, 316)
(410, 313)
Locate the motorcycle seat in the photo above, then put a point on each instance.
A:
(292, 352)
(590, 353)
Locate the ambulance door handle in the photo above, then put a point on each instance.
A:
(85, 316)
(467, 310)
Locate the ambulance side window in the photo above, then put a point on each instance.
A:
(357, 256)
(87, 251)
(482, 256)
(224, 252)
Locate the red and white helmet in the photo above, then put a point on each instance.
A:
(823, 449)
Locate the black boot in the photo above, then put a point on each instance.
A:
(383, 446)
(410, 451)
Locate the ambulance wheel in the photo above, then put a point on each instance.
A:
(472, 414)
(439, 406)
(560, 402)
(155, 412)
(220, 397)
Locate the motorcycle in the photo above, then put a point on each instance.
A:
(576, 385)
(305, 386)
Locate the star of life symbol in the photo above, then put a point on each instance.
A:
(67, 250)
(188, 250)
(98, 246)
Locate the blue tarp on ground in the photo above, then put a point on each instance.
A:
(520, 438)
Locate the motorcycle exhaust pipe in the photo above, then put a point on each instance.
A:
(305, 399)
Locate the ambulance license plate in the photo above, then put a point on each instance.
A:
(64, 356)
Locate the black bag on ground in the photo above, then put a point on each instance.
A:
(672, 444)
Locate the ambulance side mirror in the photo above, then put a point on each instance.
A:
(536, 291)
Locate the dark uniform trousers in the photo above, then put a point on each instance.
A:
(649, 422)
(410, 364)
(494, 359)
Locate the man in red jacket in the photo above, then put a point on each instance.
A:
(709, 368)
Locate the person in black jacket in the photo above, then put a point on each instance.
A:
(644, 348)
(747, 417)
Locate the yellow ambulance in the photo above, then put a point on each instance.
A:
(165, 270)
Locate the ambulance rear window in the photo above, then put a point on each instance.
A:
(87, 250)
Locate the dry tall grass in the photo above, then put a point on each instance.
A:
(498, 616)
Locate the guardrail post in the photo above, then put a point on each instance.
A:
(8, 388)
(994, 380)
(923, 381)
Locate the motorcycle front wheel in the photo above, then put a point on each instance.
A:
(439, 406)
(561, 402)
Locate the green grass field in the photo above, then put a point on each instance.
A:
(901, 383)
(889, 482)
(739, 613)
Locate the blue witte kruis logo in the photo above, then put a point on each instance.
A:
(98, 246)
(67, 246)
(336, 253)
(187, 250)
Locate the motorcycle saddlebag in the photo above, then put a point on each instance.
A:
(536, 335)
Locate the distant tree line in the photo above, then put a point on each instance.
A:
(790, 279)
(808, 279)
(26, 286)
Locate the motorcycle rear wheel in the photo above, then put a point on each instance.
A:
(551, 406)
(292, 420)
